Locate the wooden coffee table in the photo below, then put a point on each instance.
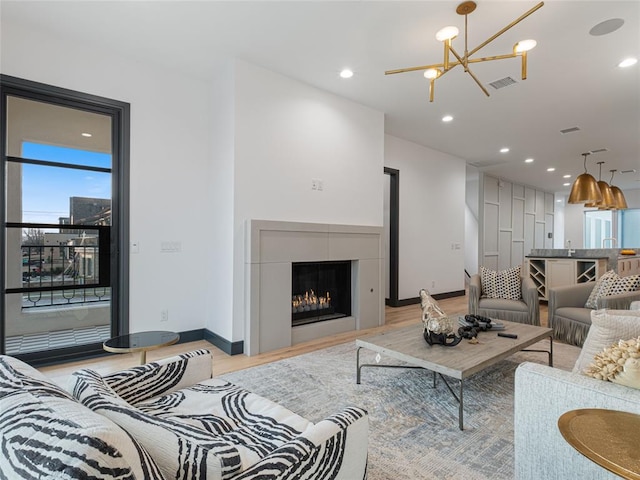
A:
(460, 362)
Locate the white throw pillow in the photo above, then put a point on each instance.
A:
(607, 327)
(505, 284)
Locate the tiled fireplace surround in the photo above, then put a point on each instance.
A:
(271, 248)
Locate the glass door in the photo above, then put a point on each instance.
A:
(59, 241)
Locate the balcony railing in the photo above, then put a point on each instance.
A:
(61, 275)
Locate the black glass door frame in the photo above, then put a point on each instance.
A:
(119, 234)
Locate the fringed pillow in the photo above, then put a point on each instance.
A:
(505, 284)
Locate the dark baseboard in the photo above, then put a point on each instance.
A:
(456, 293)
(437, 296)
(230, 348)
(192, 335)
(405, 301)
(84, 352)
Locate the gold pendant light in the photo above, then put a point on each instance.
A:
(585, 189)
(618, 196)
(608, 202)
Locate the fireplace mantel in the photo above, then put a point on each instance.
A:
(271, 248)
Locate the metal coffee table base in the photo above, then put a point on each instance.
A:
(459, 396)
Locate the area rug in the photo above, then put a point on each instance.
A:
(413, 428)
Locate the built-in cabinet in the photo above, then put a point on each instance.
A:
(629, 266)
(548, 273)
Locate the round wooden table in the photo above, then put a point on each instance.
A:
(609, 438)
(140, 342)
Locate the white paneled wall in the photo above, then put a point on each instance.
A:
(514, 219)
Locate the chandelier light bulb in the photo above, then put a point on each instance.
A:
(524, 45)
(627, 62)
(447, 33)
(431, 73)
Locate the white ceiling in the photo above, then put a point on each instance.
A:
(573, 78)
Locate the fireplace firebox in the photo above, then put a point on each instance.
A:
(320, 291)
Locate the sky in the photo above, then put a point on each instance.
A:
(46, 190)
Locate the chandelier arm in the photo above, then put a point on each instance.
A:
(414, 69)
(493, 57)
(455, 54)
(466, 69)
(478, 82)
(512, 24)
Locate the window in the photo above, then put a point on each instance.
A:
(598, 228)
(629, 228)
(64, 181)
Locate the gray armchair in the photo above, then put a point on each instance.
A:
(525, 310)
(570, 319)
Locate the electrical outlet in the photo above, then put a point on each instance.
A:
(164, 315)
(433, 284)
(174, 246)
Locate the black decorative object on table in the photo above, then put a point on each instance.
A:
(438, 328)
(441, 339)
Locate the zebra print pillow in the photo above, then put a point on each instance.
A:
(45, 433)
(143, 382)
(181, 451)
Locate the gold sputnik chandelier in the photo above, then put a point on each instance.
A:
(447, 34)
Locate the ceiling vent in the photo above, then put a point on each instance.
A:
(503, 82)
(599, 150)
(487, 163)
(570, 130)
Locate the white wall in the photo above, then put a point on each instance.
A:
(219, 218)
(286, 134)
(471, 231)
(432, 217)
(170, 149)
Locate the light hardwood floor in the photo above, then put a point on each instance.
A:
(223, 363)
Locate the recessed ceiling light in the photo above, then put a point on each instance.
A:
(627, 62)
(346, 73)
(447, 118)
(85, 134)
(551, 169)
(566, 176)
(559, 200)
(566, 184)
(504, 150)
(529, 160)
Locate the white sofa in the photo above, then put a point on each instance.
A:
(166, 420)
(543, 394)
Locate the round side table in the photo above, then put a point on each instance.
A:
(609, 438)
(140, 342)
